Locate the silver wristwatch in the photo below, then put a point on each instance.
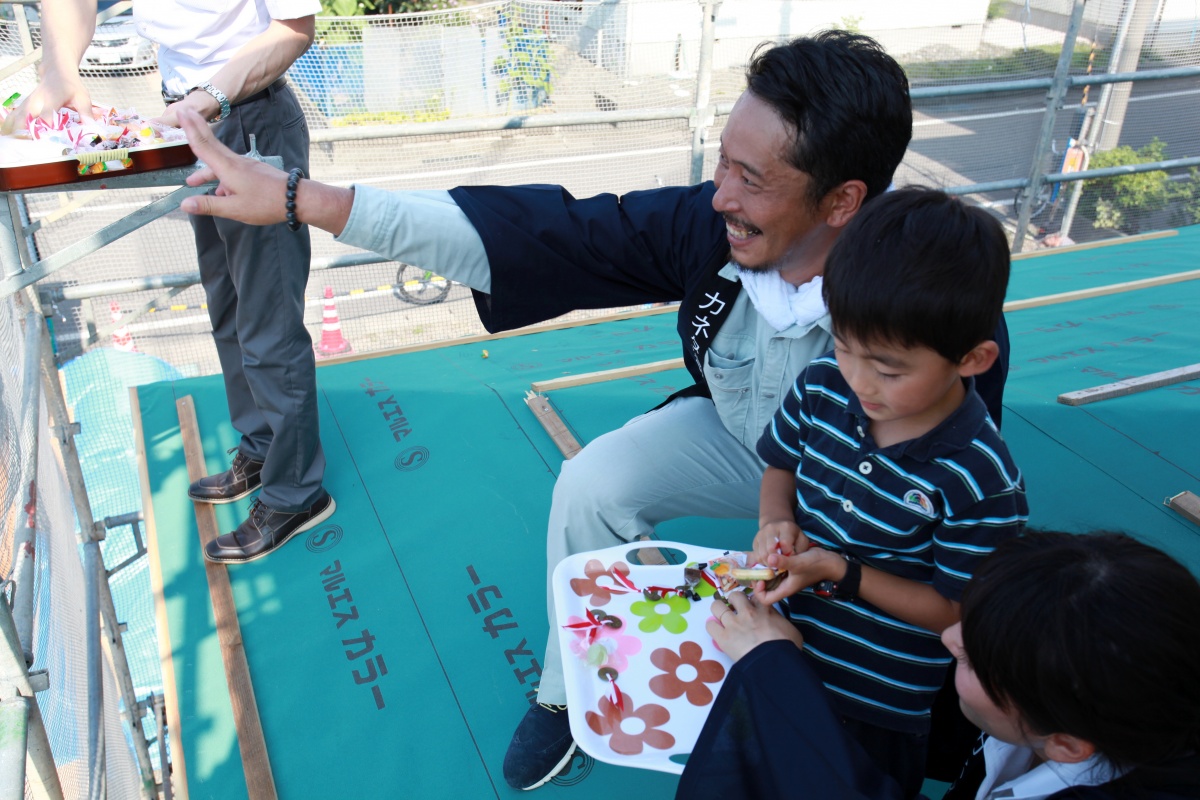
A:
(217, 95)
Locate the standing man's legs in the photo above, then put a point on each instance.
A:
(255, 278)
(672, 462)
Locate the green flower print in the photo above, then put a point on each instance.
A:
(666, 613)
(704, 588)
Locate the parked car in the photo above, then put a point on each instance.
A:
(117, 47)
(10, 41)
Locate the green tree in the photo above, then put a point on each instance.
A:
(341, 30)
(346, 8)
(1123, 202)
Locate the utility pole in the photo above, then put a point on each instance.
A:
(1127, 51)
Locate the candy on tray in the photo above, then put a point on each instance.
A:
(112, 129)
(731, 572)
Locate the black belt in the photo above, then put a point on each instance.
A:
(262, 94)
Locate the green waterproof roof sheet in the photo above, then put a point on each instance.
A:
(394, 649)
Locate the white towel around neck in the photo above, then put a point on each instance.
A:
(780, 303)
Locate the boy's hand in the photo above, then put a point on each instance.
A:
(804, 569)
(744, 624)
(778, 537)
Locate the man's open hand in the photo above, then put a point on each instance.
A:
(247, 190)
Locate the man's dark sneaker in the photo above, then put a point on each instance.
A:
(540, 748)
(242, 478)
(265, 530)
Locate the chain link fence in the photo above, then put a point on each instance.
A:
(595, 96)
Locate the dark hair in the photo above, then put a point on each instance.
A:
(1094, 635)
(846, 102)
(917, 267)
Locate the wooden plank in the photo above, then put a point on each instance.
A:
(1130, 386)
(568, 381)
(1074, 248)
(651, 555)
(1187, 505)
(260, 784)
(178, 776)
(567, 444)
(491, 337)
(1100, 291)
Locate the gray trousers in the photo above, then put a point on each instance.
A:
(255, 279)
(675, 461)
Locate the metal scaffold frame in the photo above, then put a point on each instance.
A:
(27, 756)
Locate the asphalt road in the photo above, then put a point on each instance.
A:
(956, 141)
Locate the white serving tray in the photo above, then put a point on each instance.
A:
(668, 669)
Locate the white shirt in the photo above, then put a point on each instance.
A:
(197, 37)
(1009, 776)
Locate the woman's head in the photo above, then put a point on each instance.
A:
(1093, 637)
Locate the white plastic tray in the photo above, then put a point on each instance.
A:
(668, 669)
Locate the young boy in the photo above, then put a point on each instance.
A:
(1076, 656)
(886, 481)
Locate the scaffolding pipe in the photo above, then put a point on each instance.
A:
(25, 535)
(41, 774)
(704, 116)
(578, 118)
(14, 724)
(88, 245)
(1128, 51)
(1054, 101)
(93, 533)
(119, 664)
(93, 574)
(89, 291)
(1122, 169)
(69, 462)
(160, 719)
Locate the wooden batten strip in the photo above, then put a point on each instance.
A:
(260, 784)
(1100, 291)
(1187, 505)
(178, 777)
(1074, 248)
(568, 381)
(567, 444)
(1130, 386)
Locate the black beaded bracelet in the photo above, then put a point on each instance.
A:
(293, 181)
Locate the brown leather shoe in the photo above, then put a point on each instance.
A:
(239, 480)
(265, 530)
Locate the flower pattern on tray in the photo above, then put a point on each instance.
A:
(609, 648)
(667, 613)
(632, 728)
(599, 583)
(697, 671)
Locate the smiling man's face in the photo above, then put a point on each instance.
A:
(771, 223)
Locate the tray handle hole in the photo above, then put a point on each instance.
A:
(650, 556)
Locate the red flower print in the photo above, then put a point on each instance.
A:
(686, 673)
(632, 728)
(600, 583)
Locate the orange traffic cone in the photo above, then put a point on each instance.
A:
(121, 337)
(332, 341)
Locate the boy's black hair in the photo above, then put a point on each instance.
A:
(1094, 635)
(846, 102)
(917, 267)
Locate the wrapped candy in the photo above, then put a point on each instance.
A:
(111, 129)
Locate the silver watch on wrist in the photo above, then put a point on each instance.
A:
(217, 95)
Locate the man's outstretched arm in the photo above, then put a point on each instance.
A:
(426, 229)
